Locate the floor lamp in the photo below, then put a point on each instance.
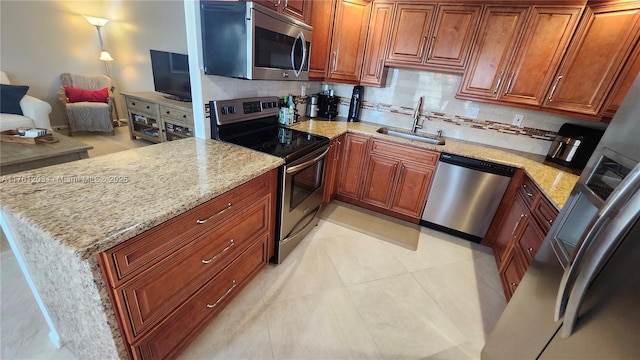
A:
(105, 57)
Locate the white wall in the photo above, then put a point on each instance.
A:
(42, 39)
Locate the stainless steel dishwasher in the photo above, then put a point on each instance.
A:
(465, 195)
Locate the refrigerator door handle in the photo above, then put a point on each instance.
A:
(617, 198)
(596, 257)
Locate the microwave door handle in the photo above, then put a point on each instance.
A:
(621, 193)
(304, 54)
(596, 257)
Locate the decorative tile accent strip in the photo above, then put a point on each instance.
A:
(489, 125)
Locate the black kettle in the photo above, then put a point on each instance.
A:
(356, 104)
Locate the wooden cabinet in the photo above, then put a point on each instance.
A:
(374, 72)
(169, 281)
(596, 55)
(523, 219)
(332, 168)
(410, 34)
(387, 177)
(348, 40)
(497, 37)
(545, 40)
(351, 168)
(155, 118)
(322, 23)
(299, 9)
(430, 38)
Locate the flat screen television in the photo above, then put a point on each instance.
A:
(171, 74)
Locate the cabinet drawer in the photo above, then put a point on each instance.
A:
(143, 251)
(529, 240)
(528, 191)
(545, 213)
(141, 105)
(183, 325)
(184, 116)
(404, 152)
(145, 300)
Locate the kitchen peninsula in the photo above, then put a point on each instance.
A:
(58, 219)
(61, 218)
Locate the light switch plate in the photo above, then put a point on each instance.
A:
(517, 120)
(472, 112)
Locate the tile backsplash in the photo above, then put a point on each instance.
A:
(393, 105)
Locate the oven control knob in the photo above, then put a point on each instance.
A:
(224, 111)
(232, 109)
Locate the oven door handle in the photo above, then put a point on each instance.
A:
(296, 168)
(311, 218)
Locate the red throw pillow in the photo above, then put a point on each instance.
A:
(79, 95)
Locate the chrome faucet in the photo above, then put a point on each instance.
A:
(416, 116)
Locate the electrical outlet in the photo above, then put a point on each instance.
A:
(517, 120)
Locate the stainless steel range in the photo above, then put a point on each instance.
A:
(253, 123)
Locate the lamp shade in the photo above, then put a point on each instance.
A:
(105, 56)
(96, 21)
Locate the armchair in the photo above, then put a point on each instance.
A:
(85, 107)
(35, 112)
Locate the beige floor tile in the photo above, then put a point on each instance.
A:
(322, 326)
(464, 351)
(466, 292)
(306, 271)
(359, 258)
(403, 319)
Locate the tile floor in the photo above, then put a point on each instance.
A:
(341, 294)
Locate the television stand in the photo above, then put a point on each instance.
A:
(154, 117)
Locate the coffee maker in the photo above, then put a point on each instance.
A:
(328, 106)
(356, 104)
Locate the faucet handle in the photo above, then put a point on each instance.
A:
(439, 133)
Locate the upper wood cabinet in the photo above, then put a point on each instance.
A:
(339, 35)
(544, 41)
(299, 9)
(596, 56)
(347, 41)
(322, 22)
(430, 38)
(497, 37)
(373, 70)
(409, 37)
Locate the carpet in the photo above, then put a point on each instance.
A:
(383, 227)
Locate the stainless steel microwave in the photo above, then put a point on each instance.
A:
(248, 41)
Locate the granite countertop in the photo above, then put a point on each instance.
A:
(555, 183)
(91, 205)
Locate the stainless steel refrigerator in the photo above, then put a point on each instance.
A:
(580, 297)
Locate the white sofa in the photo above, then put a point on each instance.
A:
(36, 112)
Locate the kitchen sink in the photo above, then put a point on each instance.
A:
(430, 139)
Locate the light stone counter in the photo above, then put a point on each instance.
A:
(60, 217)
(555, 183)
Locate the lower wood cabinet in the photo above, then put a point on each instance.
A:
(351, 167)
(332, 167)
(521, 224)
(167, 283)
(383, 176)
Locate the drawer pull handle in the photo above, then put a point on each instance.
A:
(233, 286)
(524, 186)
(231, 244)
(551, 221)
(214, 215)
